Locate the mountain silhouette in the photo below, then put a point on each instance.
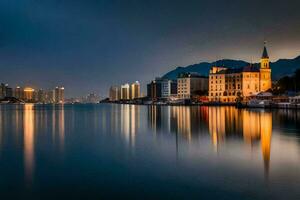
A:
(280, 68)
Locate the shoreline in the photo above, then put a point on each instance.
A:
(244, 106)
(269, 107)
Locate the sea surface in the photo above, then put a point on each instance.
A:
(109, 151)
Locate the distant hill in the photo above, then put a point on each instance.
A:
(279, 68)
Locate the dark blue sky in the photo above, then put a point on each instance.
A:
(88, 45)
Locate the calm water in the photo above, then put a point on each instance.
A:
(148, 152)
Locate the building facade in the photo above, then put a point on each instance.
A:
(161, 89)
(125, 92)
(59, 95)
(114, 93)
(19, 93)
(29, 94)
(154, 89)
(135, 90)
(231, 84)
(168, 88)
(191, 84)
(5, 91)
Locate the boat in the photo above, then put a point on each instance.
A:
(283, 105)
(257, 103)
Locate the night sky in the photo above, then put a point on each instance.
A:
(88, 45)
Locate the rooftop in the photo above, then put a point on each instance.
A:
(265, 53)
(191, 75)
(228, 70)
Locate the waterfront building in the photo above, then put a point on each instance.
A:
(92, 98)
(49, 96)
(135, 90)
(154, 89)
(28, 94)
(59, 95)
(5, 91)
(161, 89)
(190, 85)
(114, 93)
(41, 97)
(18, 93)
(8, 91)
(231, 84)
(168, 88)
(125, 92)
(2, 90)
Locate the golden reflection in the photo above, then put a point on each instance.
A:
(183, 114)
(58, 124)
(216, 125)
(61, 125)
(251, 126)
(266, 134)
(187, 121)
(153, 116)
(255, 126)
(28, 140)
(223, 123)
(130, 122)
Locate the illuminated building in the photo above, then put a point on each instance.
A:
(135, 90)
(5, 91)
(59, 95)
(168, 88)
(190, 84)
(92, 98)
(114, 93)
(154, 89)
(28, 94)
(18, 93)
(2, 90)
(9, 92)
(229, 84)
(41, 97)
(161, 88)
(125, 92)
(49, 96)
(265, 71)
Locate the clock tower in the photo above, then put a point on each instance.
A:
(265, 71)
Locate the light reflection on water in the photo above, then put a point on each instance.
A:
(64, 144)
(28, 140)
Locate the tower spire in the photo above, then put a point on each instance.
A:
(265, 52)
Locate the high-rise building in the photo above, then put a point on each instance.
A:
(2, 90)
(41, 97)
(125, 92)
(114, 93)
(19, 93)
(230, 84)
(49, 96)
(154, 90)
(92, 98)
(190, 85)
(5, 91)
(8, 92)
(161, 89)
(168, 88)
(59, 95)
(28, 94)
(135, 90)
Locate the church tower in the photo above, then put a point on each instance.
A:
(265, 71)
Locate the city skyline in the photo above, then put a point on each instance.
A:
(90, 45)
